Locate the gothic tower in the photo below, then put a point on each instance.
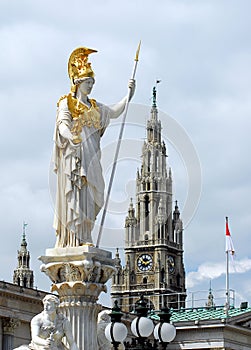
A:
(23, 276)
(154, 232)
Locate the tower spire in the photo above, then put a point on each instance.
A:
(24, 243)
(154, 97)
(23, 275)
(154, 105)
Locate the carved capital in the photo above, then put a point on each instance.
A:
(76, 293)
(87, 265)
(10, 324)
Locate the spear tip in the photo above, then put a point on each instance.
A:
(137, 52)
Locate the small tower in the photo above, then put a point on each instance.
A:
(210, 299)
(23, 275)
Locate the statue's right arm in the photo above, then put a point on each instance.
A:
(65, 131)
(63, 120)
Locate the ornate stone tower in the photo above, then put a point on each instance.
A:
(154, 232)
(23, 275)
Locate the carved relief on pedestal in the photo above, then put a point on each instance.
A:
(69, 272)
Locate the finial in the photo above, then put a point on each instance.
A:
(176, 207)
(210, 299)
(155, 93)
(24, 243)
(131, 204)
(154, 97)
(117, 252)
(176, 213)
(24, 230)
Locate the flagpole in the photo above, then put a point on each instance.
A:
(227, 282)
(117, 150)
(227, 277)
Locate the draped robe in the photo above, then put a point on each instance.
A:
(78, 202)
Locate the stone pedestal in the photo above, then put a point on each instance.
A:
(79, 275)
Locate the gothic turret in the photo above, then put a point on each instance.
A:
(23, 276)
(130, 223)
(177, 225)
(210, 299)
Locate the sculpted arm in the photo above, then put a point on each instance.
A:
(35, 334)
(64, 129)
(119, 107)
(63, 121)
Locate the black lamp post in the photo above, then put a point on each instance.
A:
(116, 331)
(142, 327)
(164, 332)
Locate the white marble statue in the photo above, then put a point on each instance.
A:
(80, 123)
(103, 320)
(50, 327)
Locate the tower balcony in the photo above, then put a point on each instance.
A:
(156, 242)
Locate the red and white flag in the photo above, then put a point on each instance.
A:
(229, 242)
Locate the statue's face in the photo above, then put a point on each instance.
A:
(86, 86)
(49, 305)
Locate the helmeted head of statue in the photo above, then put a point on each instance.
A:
(78, 66)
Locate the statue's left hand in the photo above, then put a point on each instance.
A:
(84, 180)
(131, 86)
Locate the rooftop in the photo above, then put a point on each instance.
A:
(206, 313)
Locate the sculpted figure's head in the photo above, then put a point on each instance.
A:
(51, 303)
(79, 68)
(85, 85)
(104, 316)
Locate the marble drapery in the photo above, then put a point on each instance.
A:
(80, 183)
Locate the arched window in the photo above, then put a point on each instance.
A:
(162, 275)
(178, 280)
(118, 277)
(144, 280)
(132, 276)
(147, 213)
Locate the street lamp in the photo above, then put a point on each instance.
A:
(142, 327)
(116, 331)
(164, 332)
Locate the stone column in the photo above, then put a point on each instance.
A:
(9, 326)
(79, 275)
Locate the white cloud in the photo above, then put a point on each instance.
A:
(210, 271)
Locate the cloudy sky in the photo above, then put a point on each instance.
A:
(201, 52)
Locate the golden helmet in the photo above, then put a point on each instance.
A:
(78, 65)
